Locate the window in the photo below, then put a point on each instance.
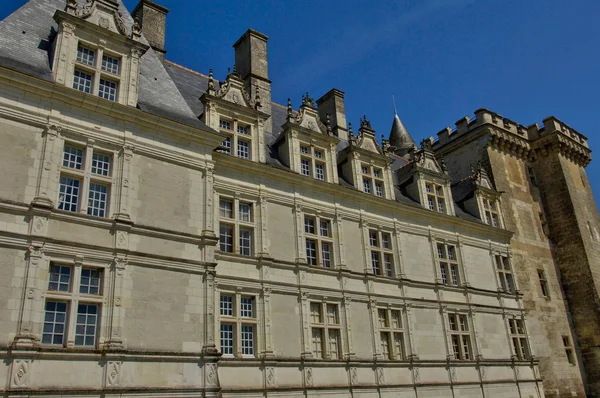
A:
(391, 334)
(238, 325)
(319, 241)
(504, 274)
(236, 219)
(239, 137)
(311, 161)
(325, 330)
(84, 172)
(90, 77)
(490, 212)
(372, 179)
(460, 336)
(569, 349)
(448, 264)
(543, 283)
(67, 301)
(381, 252)
(435, 197)
(518, 338)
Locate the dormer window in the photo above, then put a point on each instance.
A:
(311, 161)
(490, 211)
(90, 77)
(372, 180)
(239, 138)
(435, 197)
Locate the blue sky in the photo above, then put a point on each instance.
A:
(442, 59)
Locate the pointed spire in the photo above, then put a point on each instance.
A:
(399, 137)
(289, 110)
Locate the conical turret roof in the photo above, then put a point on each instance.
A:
(400, 137)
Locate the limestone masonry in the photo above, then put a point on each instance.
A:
(167, 234)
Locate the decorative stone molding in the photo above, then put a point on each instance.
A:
(21, 370)
(113, 373)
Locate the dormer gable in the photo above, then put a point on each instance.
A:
(425, 179)
(477, 196)
(307, 145)
(365, 163)
(230, 110)
(96, 53)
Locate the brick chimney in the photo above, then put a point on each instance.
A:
(332, 103)
(153, 20)
(252, 64)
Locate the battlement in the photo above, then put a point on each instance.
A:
(530, 133)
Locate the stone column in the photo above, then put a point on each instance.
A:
(75, 282)
(461, 253)
(339, 234)
(49, 163)
(410, 316)
(305, 314)
(298, 219)
(209, 347)
(346, 303)
(209, 227)
(116, 312)
(33, 303)
(268, 349)
(473, 317)
(123, 183)
(263, 249)
(374, 328)
(449, 352)
(399, 264)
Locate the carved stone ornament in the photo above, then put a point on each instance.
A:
(113, 373)
(20, 373)
(270, 376)
(233, 90)
(308, 372)
(380, 376)
(354, 376)
(210, 370)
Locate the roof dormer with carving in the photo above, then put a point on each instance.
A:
(96, 52)
(232, 111)
(366, 164)
(425, 179)
(307, 145)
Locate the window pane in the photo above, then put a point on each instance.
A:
(399, 345)
(431, 203)
(86, 326)
(72, 157)
(385, 345)
(90, 281)
(243, 129)
(326, 254)
(59, 278)
(443, 273)
(317, 342)
(224, 124)
(375, 263)
(311, 252)
(226, 305)
(245, 242)
(108, 90)
(85, 55)
(373, 239)
(325, 228)
(334, 344)
(305, 167)
(110, 64)
(385, 241)
(319, 171)
(68, 196)
(367, 185)
(454, 274)
(304, 149)
(227, 339)
(388, 264)
(226, 208)
(383, 319)
(332, 314)
(247, 340)
(243, 149)
(396, 321)
(100, 164)
(226, 146)
(247, 307)
(97, 200)
(245, 212)
(55, 320)
(226, 238)
(315, 313)
(378, 189)
(309, 225)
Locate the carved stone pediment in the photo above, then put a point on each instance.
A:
(104, 13)
(307, 116)
(233, 90)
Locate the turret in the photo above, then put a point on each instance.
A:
(400, 138)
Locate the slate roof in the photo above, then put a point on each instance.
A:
(25, 45)
(165, 89)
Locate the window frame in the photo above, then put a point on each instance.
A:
(238, 321)
(237, 132)
(518, 339)
(373, 179)
(391, 331)
(319, 240)
(445, 264)
(490, 211)
(97, 71)
(326, 328)
(88, 180)
(434, 197)
(543, 283)
(238, 225)
(378, 252)
(309, 159)
(504, 273)
(74, 299)
(461, 352)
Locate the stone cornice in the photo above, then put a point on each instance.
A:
(566, 146)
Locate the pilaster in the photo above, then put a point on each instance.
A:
(209, 219)
(346, 304)
(116, 312)
(267, 342)
(305, 314)
(209, 347)
(123, 183)
(46, 184)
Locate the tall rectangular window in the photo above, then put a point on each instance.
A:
(448, 263)
(101, 78)
(319, 241)
(243, 149)
(305, 167)
(236, 226)
(460, 336)
(238, 323)
(82, 81)
(70, 301)
(490, 212)
(108, 90)
(381, 253)
(372, 178)
(239, 138)
(505, 276)
(435, 197)
(325, 330)
(518, 338)
(543, 283)
(391, 334)
(569, 351)
(312, 161)
(75, 168)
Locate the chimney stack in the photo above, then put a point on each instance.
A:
(252, 64)
(153, 21)
(332, 103)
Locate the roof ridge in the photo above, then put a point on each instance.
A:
(186, 69)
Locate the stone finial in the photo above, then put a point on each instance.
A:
(290, 112)
(443, 165)
(364, 122)
(328, 124)
(136, 29)
(385, 145)
(211, 82)
(71, 7)
(257, 103)
(426, 144)
(307, 100)
(351, 136)
(228, 71)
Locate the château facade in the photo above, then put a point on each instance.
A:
(164, 233)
